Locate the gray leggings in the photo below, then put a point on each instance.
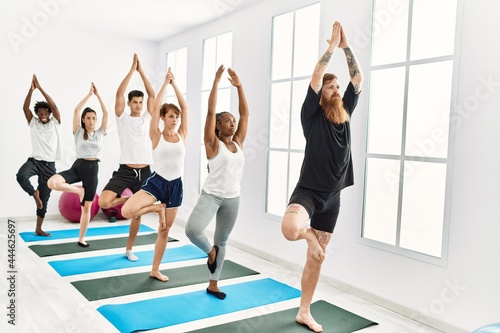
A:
(226, 212)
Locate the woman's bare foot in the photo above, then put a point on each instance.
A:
(38, 201)
(159, 276)
(305, 318)
(42, 233)
(314, 247)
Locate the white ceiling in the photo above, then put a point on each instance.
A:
(151, 20)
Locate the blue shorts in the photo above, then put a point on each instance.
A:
(168, 192)
(323, 207)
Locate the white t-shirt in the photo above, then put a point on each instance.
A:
(45, 140)
(90, 148)
(135, 144)
(226, 171)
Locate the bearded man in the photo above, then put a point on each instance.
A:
(326, 169)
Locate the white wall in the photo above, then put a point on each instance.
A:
(65, 63)
(457, 298)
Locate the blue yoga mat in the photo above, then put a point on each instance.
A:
(119, 261)
(172, 310)
(74, 233)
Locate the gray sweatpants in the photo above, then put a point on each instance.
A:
(225, 212)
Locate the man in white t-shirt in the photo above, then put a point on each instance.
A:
(44, 130)
(136, 149)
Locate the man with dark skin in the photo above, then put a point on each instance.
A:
(45, 144)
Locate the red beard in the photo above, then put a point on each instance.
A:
(334, 109)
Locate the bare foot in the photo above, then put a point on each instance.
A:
(42, 233)
(314, 247)
(161, 213)
(38, 201)
(159, 276)
(305, 318)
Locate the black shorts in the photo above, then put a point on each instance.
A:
(323, 207)
(169, 192)
(127, 177)
(85, 171)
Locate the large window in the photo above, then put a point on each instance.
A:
(294, 55)
(177, 62)
(407, 166)
(216, 51)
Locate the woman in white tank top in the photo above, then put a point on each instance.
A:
(165, 183)
(221, 192)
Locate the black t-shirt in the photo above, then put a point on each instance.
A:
(327, 164)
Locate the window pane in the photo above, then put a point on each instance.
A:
(209, 62)
(276, 182)
(387, 89)
(180, 70)
(177, 62)
(282, 46)
(306, 40)
(389, 32)
(298, 140)
(224, 55)
(171, 59)
(381, 200)
(224, 102)
(429, 94)
(280, 115)
(295, 167)
(433, 28)
(423, 207)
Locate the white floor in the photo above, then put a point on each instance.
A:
(47, 302)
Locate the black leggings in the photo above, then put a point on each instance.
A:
(85, 171)
(44, 170)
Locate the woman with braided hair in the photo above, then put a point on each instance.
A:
(220, 196)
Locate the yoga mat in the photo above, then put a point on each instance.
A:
(119, 261)
(74, 233)
(98, 244)
(172, 310)
(333, 319)
(121, 285)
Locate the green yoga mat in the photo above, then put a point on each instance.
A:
(98, 244)
(333, 319)
(115, 286)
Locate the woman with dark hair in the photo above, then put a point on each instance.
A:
(88, 142)
(165, 183)
(220, 196)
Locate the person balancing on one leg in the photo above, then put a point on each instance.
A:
(327, 166)
(46, 150)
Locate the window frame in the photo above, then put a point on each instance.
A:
(292, 80)
(441, 261)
